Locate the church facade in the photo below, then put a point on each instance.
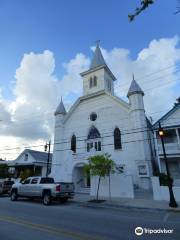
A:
(100, 122)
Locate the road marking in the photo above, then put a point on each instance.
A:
(49, 229)
(165, 217)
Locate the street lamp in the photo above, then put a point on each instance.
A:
(172, 201)
(47, 147)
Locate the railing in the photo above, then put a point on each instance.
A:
(170, 147)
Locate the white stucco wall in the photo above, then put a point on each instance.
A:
(162, 192)
(111, 113)
(120, 185)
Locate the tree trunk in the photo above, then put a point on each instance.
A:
(97, 197)
(109, 187)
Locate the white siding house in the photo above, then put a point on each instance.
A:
(170, 122)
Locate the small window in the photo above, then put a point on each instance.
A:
(47, 180)
(34, 181)
(117, 139)
(93, 116)
(26, 157)
(73, 143)
(99, 146)
(27, 181)
(90, 82)
(95, 81)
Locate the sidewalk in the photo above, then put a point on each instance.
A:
(136, 203)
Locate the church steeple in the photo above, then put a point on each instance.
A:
(134, 88)
(97, 59)
(99, 77)
(60, 109)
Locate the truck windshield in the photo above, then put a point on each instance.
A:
(47, 180)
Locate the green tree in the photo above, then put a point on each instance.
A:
(25, 174)
(101, 166)
(4, 171)
(145, 4)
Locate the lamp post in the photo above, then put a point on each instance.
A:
(172, 201)
(47, 147)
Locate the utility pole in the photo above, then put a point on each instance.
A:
(172, 201)
(48, 147)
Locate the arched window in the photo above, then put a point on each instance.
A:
(93, 139)
(90, 82)
(117, 139)
(95, 81)
(93, 133)
(73, 143)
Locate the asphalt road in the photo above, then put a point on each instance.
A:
(30, 220)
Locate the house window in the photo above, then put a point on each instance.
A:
(73, 143)
(117, 139)
(169, 136)
(26, 157)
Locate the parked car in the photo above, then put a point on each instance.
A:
(44, 188)
(5, 186)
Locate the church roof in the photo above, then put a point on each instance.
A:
(134, 88)
(97, 59)
(175, 108)
(98, 62)
(60, 109)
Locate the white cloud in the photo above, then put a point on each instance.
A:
(29, 118)
(160, 54)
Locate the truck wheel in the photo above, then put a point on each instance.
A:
(63, 200)
(47, 198)
(14, 195)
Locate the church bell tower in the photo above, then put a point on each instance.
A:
(99, 77)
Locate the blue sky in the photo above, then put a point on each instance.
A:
(67, 27)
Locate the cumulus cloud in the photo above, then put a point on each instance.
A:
(29, 118)
(161, 58)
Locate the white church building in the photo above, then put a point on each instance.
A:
(100, 122)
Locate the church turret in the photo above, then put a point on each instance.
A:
(99, 77)
(135, 95)
(60, 109)
(139, 123)
(60, 113)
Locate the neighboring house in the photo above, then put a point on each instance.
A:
(32, 160)
(3, 161)
(100, 122)
(170, 122)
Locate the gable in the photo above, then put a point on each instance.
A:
(171, 118)
(25, 158)
(101, 101)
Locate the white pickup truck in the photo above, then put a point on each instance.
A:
(44, 188)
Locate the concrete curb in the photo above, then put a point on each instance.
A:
(113, 206)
